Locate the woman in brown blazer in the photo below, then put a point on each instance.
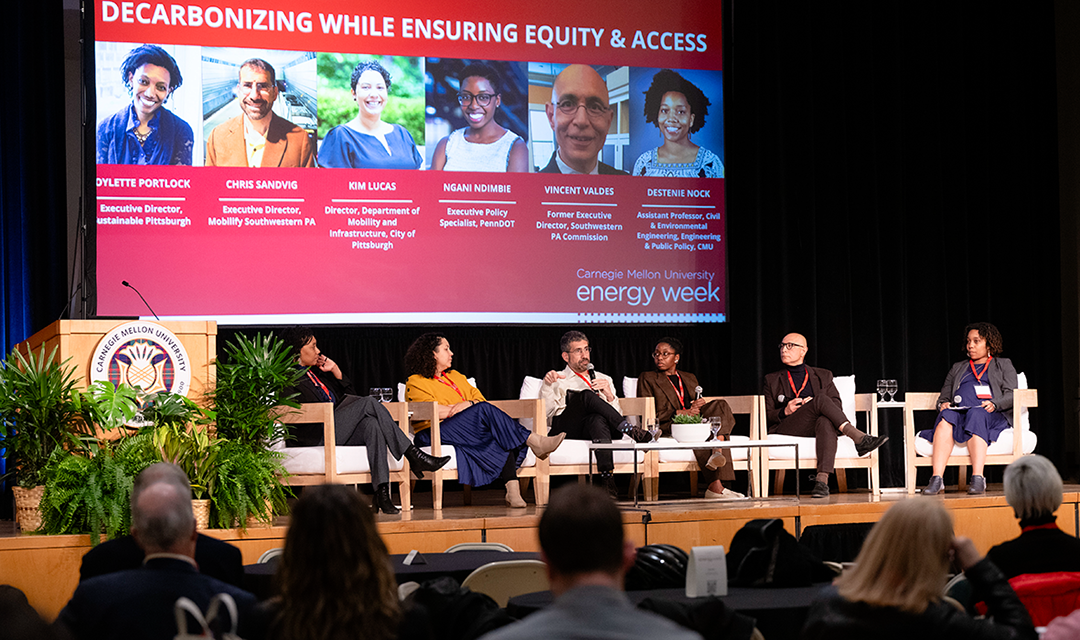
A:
(676, 393)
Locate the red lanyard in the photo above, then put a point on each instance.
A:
(679, 391)
(791, 381)
(1048, 525)
(441, 377)
(320, 384)
(978, 376)
(587, 381)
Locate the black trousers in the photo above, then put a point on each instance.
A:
(588, 417)
(820, 418)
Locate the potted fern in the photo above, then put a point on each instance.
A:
(251, 387)
(180, 437)
(39, 409)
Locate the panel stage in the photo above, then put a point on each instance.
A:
(46, 568)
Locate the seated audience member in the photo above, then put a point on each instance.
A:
(334, 575)
(138, 603)
(20, 620)
(674, 391)
(358, 420)
(895, 588)
(490, 445)
(581, 540)
(1033, 489)
(215, 558)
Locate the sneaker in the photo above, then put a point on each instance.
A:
(821, 490)
(977, 486)
(869, 443)
(935, 486)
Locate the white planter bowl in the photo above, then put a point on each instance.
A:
(697, 432)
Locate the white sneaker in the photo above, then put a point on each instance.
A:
(726, 494)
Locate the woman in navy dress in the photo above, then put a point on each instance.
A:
(490, 445)
(975, 405)
(366, 142)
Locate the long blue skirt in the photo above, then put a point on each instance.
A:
(483, 436)
(973, 422)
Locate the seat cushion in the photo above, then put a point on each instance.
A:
(577, 452)
(1003, 445)
(687, 455)
(306, 460)
(845, 448)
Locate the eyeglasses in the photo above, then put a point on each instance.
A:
(593, 107)
(261, 87)
(787, 346)
(663, 354)
(581, 350)
(483, 99)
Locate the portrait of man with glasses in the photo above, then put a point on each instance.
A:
(258, 137)
(580, 115)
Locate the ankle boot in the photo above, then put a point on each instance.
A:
(420, 462)
(382, 502)
(513, 495)
(542, 446)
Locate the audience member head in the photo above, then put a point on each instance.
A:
(581, 537)
(905, 559)
(420, 357)
(161, 516)
(1033, 488)
(335, 574)
(20, 620)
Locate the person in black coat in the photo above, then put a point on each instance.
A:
(358, 420)
(139, 603)
(1033, 489)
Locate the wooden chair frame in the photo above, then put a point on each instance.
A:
(754, 406)
(323, 412)
(517, 409)
(864, 402)
(921, 401)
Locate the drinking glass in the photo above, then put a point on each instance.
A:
(891, 389)
(653, 430)
(882, 385)
(714, 427)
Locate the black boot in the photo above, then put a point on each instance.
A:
(420, 462)
(381, 500)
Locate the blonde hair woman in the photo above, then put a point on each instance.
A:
(895, 589)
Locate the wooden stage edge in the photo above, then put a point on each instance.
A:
(46, 568)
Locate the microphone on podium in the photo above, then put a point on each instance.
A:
(128, 285)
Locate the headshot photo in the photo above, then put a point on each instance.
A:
(676, 123)
(578, 118)
(259, 107)
(145, 103)
(477, 110)
(371, 111)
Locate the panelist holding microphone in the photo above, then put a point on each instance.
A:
(803, 401)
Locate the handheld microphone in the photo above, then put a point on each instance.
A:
(780, 398)
(698, 391)
(592, 375)
(126, 284)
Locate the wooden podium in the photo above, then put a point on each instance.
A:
(77, 339)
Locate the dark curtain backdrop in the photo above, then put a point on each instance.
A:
(891, 176)
(33, 234)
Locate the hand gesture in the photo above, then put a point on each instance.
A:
(794, 404)
(551, 376)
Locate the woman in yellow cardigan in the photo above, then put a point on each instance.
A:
(490, 445)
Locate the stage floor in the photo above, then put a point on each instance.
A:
(46, 568)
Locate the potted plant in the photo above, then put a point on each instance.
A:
(248, 396)
(39, 409)
(180, 437)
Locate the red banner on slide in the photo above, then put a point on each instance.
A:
(683, 34)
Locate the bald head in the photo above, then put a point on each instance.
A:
(580, 135)
(161, 516)
(793, 349)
